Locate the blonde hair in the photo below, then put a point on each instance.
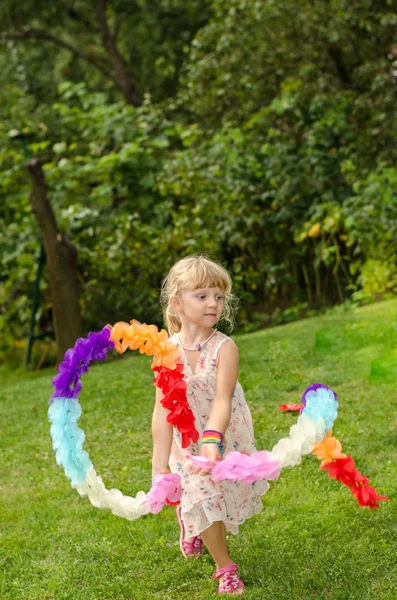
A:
(191, 273)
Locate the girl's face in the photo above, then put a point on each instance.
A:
(202, 307)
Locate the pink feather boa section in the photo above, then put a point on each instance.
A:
(241, 467)
(166, 489)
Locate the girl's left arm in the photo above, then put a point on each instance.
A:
(226, 379)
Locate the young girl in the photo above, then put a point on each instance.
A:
(196, 294)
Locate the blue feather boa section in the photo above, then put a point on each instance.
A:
(68, 439)
(320, 402)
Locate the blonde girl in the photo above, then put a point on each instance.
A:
(196, 295)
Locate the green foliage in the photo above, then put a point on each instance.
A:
(100, 163)
(371, 213)
(272, 192)
(151, 39)
(266, 137)
(378, 279)
(241, 58)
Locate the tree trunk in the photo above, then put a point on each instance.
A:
(121, 74)
(336, 54)
(62, 264)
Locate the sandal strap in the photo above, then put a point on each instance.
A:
(196, 545)
(220, 572)
(230, 583)
(198, 542)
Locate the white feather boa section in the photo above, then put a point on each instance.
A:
(122, 506)
(302, 437)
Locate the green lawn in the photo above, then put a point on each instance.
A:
(311, 542)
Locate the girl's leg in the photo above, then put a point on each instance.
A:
(215, 539)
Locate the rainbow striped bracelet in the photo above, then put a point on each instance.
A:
(210, 436)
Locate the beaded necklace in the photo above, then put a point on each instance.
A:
(197, 346)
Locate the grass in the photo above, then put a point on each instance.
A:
(311, 542)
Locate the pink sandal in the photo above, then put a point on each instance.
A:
(194, 547)
(230, 582)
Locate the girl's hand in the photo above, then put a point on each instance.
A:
(210, 451)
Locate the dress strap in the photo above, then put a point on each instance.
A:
(217, 341)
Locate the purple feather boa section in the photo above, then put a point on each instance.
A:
(76, 362)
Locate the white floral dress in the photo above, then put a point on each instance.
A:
(203, 499)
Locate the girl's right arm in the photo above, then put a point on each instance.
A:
(162, 436)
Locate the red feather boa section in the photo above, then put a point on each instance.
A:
(173, 386)
(344, 470)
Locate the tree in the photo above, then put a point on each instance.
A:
(62, 264)
(136, 48)
(265, 132)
